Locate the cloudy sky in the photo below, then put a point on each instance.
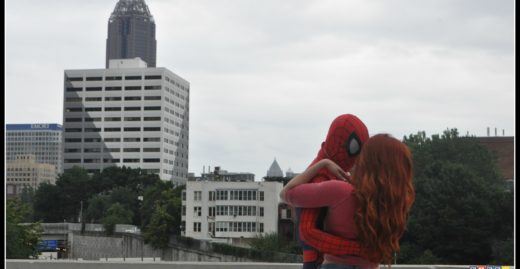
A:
(267, 77)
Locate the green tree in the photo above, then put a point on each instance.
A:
(21, 240)
(48, 204)
(459, 199)
(75, 185)
(158, 232)
(116, 214)
(97, 206)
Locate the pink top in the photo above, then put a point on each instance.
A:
(337, 196)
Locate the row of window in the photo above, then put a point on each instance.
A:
(246, 195)
(233, 210)
(113, 139)
(111, 119)
(112, 88)
(93, 150)
(112, 98)
(46, 134)
(110, 78)
(126, 108)
(110, 160)
(114, 129)
(236, 226)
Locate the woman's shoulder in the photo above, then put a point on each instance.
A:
(338, 185)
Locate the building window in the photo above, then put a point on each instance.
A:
(72, 160)
(113, 98)
(261, 227)
(183, 195)
(130, 160)
(196, 227)
(94, 78)
(132, 139)
(113, 139)
(112, 129)
(152, 108)
(261, 211)
(92, 119)
(152, 98)
(73, 140)
(197, 195)
(132, 98)
(211, 195)
(90, 140)
(152, 118)
(132, 129)
(112, 108)
(93, 89)
(74, 78)
(132, 118)
(73, 130)
(112, 118)
(74, 89)
(131, 150)
(113, 78)
(152, 87)
(222, 195)
(153, 77)
(132, 108)
(151, 160)
(261, 195)
(73, 109)
(73, 119)
(73, 99)
(93, 109)
(132, 88)
(151, 149)
(133, 77)
(114, 88)
(151, 129)
(112, 150)
(197, 211)
(183, 210)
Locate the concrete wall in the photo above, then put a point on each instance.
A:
(95, 247)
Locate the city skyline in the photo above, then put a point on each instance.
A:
(268, 78)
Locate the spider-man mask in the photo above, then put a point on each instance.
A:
(344, 141)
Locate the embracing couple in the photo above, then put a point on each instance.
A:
(353, 200)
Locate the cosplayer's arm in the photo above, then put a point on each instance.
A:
(311, 172)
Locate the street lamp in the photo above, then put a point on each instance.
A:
(140, 198)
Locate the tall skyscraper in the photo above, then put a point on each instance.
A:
(41, 140)
(127, 115)
(131, 33)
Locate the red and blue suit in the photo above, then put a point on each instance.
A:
(342, 145)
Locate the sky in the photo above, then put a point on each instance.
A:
(268, 77)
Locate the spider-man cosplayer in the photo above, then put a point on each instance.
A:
(345, 138)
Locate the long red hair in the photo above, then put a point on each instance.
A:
(382, 178)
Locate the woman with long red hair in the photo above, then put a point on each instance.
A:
(371, 206)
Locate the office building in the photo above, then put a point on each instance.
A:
(127, 115)
(25, 172)
(131, 33)
(44, 141)
(230, 212)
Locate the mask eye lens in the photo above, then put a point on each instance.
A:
(353, 145)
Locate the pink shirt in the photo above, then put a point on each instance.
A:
(337, 196)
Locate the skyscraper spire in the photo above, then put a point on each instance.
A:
(131, 32)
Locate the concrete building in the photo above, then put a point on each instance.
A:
(230, 211)
(131, 33)
(274, 170)
(25, 172)
(127, 115)
(44, 141)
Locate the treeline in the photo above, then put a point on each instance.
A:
(117, 195)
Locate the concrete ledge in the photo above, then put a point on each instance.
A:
(62, 264)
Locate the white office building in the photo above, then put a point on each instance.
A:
(230, 211)
(44, 141)
(127, 115)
